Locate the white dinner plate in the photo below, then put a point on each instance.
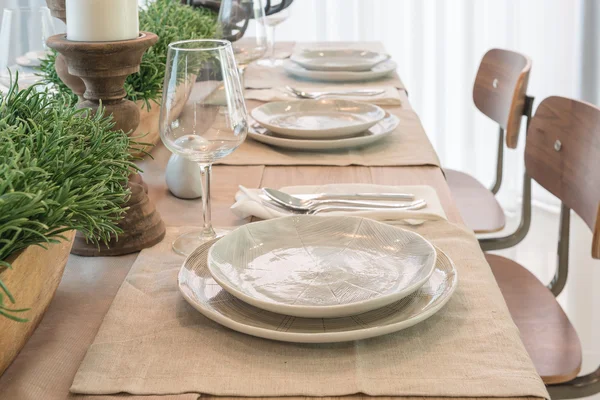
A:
(338, 59)
(321, 267)
(379, 71)
(317, 119)
(206, 296)
(377, 132)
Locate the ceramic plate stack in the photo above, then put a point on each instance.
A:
(320, 124)
(339, 65)
(318, 279)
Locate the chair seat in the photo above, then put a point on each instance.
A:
(477, 205)
(549, 337)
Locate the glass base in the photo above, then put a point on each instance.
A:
(266, 62)
(188, 242)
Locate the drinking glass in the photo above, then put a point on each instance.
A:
(248, 38)
(203, 115)
(23, 43)
(271, 21)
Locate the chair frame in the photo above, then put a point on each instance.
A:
(584, 385)
(498, 243)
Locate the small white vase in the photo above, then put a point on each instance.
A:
(183, 177)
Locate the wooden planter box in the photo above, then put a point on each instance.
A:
(33, 281)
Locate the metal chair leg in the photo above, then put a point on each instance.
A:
(582, 386)
(488, 244)
(562, 270)
(499, 162)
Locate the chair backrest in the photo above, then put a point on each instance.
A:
(500, 90)
(563, 155)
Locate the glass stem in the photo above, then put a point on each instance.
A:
(207, 229)
(271, 43)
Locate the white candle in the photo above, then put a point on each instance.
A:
(102, 20)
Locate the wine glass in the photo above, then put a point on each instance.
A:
(203, 116)
(271, 21)
(248, 38)
(23, 43)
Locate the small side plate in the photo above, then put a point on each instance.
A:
(338, 59)
(321, 267)
(318, 119)
(377, 132)
(377, 72)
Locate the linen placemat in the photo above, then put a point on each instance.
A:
(152, 342)
(408, 145)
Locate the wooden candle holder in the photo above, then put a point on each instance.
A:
(103, 68)
(58, 10)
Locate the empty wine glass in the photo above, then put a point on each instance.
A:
(241, 22)
(271, 21)
(23, 43)
(203, 116)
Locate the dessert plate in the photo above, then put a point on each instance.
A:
(321, 267)
(338, 59)
(379, 71)
(317, 119)
(206, 296)
(377, 132)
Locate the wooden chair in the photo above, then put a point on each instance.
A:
(562, 154)
(500, 93)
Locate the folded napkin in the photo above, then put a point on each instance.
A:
(390, 96)
(247, 203)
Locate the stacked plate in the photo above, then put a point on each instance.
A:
(320, 124)
(318, 279)
(339, 65)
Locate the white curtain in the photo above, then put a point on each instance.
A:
(438, 45)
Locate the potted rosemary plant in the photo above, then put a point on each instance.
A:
(60, 171)
(171, 21)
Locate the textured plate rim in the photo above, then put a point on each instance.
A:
(259, 112)
(321, 144)
(322, 337)
(306, 61)
(295, 69)
(339, 310)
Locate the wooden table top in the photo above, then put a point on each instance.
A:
(46, 366)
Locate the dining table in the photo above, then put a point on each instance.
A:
(47, 365)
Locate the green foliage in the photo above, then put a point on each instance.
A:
(60, 169)
(171, 21)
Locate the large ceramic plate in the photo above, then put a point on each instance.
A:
(379, 71)
(321, 267)
(205, 295)
(338, 59)
(377, 132)
(318, 119)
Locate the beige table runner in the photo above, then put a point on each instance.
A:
(153, 342)
(407, 146)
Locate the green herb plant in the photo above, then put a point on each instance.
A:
(60, 169)
(171, 21)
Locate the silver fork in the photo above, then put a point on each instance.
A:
(316, 95)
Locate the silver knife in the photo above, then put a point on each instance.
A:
(356, 196)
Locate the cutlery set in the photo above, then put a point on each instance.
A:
(339, 203)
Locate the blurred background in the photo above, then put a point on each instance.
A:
(438, 45)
